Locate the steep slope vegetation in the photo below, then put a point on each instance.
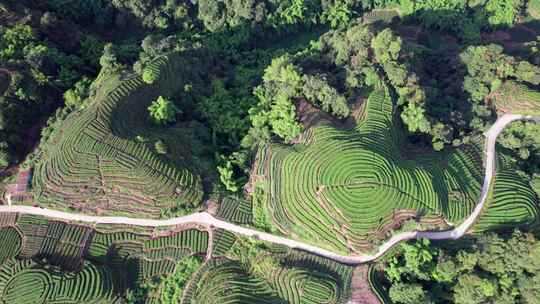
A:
(103, 158)
(346, 189)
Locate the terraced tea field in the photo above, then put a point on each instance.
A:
(513, 204)
(298, 278)
(95, 164)
(25, 282)
(345, 189)
(235, 210)
(43, 261)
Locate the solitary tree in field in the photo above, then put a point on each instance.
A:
(163, 111)
(226, 176)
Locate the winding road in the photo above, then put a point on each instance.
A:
(205, 219)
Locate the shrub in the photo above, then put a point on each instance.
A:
(161, 147)
(149, 76)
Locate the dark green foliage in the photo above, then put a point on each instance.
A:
(173, 285)
(523, 137)
(225, 113)
(503, 12)
(149, 76)
(5, 155)
(317, 90)
(108, 59)
(161, 147)
(486, 66)
(408, 294)
(226, 173)
(464, 18)
(16, 42)
(82, 11)
(275, 110)
(74, 97)
(91, 50)
(490, 268)
(36, 72)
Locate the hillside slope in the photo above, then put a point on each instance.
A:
(348, 189)
(103, 158)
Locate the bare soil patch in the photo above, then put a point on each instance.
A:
(361, 292)
(310, 116)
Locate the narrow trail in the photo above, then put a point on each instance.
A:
(203, 218)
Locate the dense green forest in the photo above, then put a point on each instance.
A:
(256, 71)
(484, 269)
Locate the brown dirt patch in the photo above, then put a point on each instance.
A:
(9, 171)
(309, 116)
(361, 292)
(393, 222)
(496, 36)
(32, 137)
(357, 113)
(512, 97)
(212, 206)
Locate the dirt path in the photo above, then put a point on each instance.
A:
(205, 219)
(361, 290)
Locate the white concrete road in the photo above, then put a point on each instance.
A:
(206, 219)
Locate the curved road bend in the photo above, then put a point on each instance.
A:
(204, 218)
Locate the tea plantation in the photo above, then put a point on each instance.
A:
(45, 261)
(102, 159)
(296, 278)
(343, 188)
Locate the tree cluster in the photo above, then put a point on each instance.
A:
(166, 289)
(491, 269)
(465, 18)
(284, 83)
(36, 73)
